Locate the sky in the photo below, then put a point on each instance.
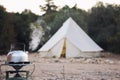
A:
(33, 5)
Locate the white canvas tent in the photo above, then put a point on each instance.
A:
(70, 41)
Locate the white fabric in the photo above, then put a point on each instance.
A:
(77, 42)
(71, 50)
(80, 39)
(55, 51)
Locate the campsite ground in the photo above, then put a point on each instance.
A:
(104, 68)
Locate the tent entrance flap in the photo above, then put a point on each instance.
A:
(63, 54)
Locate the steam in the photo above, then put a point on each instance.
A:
(37, 33)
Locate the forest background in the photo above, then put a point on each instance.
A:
(101, 23)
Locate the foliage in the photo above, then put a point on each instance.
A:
(50, 12)
(6, 32)
(14, 28)
(114, 43)
(22, 27)
(49, 7)
(103, 23)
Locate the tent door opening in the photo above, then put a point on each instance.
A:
(63, 54)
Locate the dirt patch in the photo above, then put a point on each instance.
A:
(104, 68)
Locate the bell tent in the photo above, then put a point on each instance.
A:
(70, 41)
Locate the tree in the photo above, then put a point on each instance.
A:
(22, 26)
(50, 11)
(49, 7)
(2, 17)
(7, 35)
(114, 43)
(103, 23)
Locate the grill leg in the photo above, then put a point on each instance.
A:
(7, 75)
(27, 74)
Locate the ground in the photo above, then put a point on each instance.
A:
(106, 67)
